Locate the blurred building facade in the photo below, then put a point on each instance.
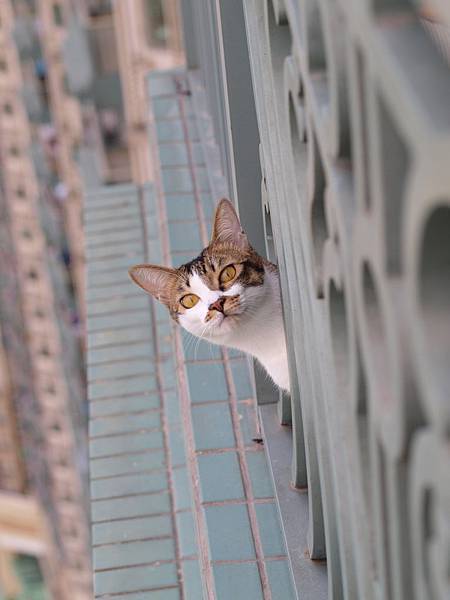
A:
(72, 111)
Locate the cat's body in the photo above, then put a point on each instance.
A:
(229, 295)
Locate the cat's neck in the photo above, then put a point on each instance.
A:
(262, 335)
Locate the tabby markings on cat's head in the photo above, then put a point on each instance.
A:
(212, 294)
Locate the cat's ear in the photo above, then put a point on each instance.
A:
(157, 281)
(227, 228)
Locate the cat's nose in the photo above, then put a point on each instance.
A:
(218, 304)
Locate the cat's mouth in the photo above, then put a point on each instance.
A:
(224, 311)
(224, 322)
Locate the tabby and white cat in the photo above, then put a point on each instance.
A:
(228, 295)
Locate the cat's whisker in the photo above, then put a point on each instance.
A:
(199, 339)
(192, 345)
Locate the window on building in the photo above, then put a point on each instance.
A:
(26, 581)
(99, 8)
(58, 14)
(156, 28)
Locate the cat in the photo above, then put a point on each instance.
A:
(229, 295)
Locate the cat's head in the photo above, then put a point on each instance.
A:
(217, 292)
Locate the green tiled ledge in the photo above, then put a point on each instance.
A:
(218, 457)
(134, 528)
(145, 508)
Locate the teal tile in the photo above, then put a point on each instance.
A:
(239, 582)
(181, 207)
(120, 369)
(173, 154)
(248, 422)
(109, 208)
(242, 380)
(114, 237)
(118, 278)
(196, 349)
(161, 85)
(150, 201)
(153, 227)
(125, 248)
(132, 442)
(229, 533)
(170, 130)
(201, 178)
(260, 475)
(109, 216)
(104, 292)
(212, 426)
(116, 194)
(182, 488)
(168, 370)
(113, 263)
(131, 463)
(192, 580)
(192, 128)
(270, 529)
(118, 353)
(181, 258)
(124, 423)
(154, 252)
(132, 553)
(117, 305)
(165, 107)
(126, 485)
(166, 594)
(131, 506)
(164, 331)
(107, 205)
(209, 206)
(172, 408)
(96, 228)
(197, 153)
(185, 237)
(135, 579)
(176, 445)
(137, 317)
(207, 382)
(186, 533)
(220, 477)
(177, 180)
(131, 404)
(131, 529)
(160, 312)
(119, 336)
(280, 580)
(112, 389)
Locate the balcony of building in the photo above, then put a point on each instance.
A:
(205, 482)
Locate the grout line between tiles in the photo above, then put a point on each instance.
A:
(267, 595)
(161, 390)
(199, 517)
(111, 596)
(130, 541)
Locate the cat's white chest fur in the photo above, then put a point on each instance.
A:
(261, 333)
(263, 336)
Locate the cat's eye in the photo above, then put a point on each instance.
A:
(227, 274)
(189, 301)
